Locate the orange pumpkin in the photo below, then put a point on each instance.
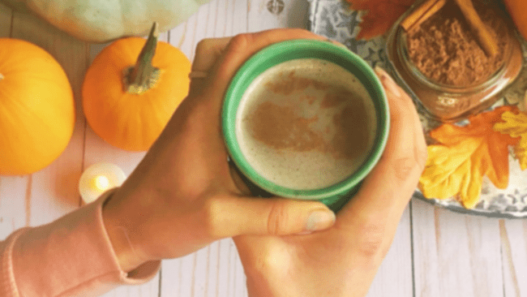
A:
(518, 11)
(37, 109)
(128, 106)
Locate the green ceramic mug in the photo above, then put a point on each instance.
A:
(334, 196)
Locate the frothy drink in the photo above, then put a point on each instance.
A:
(306, 124)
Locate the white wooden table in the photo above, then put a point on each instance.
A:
(435, 252)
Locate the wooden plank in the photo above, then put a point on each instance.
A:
(239, 280)
(454, 254)
(269, 14)
(163, 36)
(14, 197)
(221, 18)
(187, 35)
(514, 256)
(394, 277)
(12, 189)
(149, 289)
(53, 190)
(212, 271)
(189, 276)
(5, 20)
(177, 278)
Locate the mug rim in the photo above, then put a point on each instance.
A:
(243, 78)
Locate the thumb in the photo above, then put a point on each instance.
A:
(269, 216)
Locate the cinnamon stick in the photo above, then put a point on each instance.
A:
(485, 39)
(422, 13)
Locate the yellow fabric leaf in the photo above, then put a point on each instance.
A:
(455, 167)
(453, 172)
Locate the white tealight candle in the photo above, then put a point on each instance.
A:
(98, 179)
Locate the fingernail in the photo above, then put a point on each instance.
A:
(388, 82)
(320, 220)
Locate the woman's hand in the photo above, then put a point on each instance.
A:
(182, 195)
(343, 260)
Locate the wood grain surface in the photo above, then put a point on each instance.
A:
(435, 252)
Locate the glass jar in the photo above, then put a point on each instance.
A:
(449, 103)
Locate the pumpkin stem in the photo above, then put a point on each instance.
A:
(143, 76)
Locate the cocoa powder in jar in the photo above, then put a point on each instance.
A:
(452, 103)
(446, 51)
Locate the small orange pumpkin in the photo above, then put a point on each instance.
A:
(128, 106)
(37, 109)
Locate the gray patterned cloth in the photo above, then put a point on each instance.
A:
(334, 19)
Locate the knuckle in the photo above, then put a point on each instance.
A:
(204, 46)
(401, 110)
(372, 244)
(238, 46)
(397, 113)
(240, 42)
(277, 219)
(404, 166)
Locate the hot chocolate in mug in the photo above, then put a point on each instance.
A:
(305, 119)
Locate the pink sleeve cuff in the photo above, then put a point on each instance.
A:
(69, 257)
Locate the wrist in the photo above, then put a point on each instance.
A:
(119, 233)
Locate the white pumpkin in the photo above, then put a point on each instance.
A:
(105, 20)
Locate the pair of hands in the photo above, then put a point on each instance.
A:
(183, 195)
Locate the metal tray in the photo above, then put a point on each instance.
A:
(335, 20)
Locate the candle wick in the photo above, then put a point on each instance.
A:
(102, 183)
